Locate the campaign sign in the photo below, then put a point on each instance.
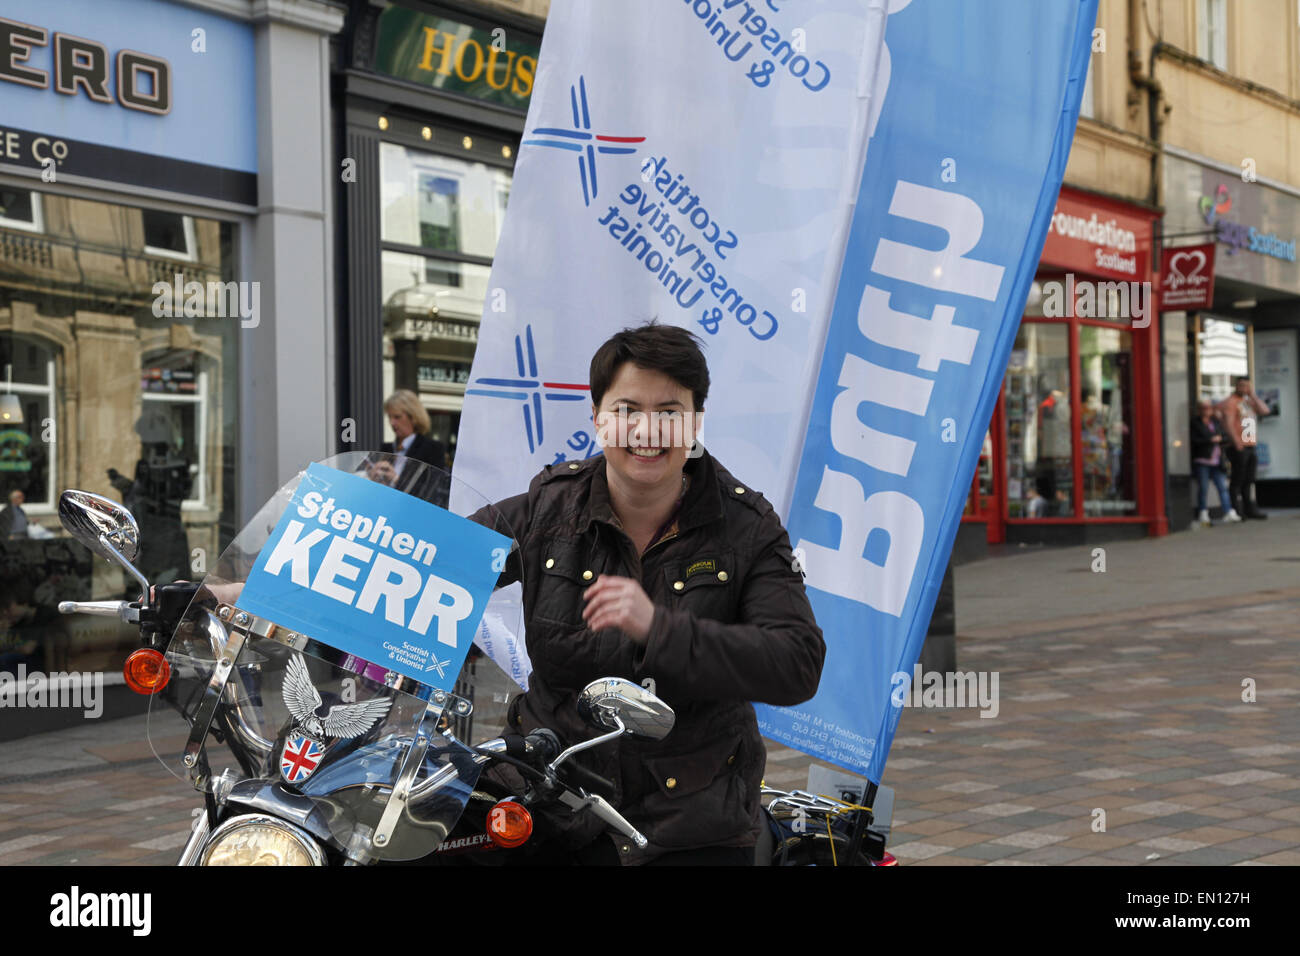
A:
(377, 573)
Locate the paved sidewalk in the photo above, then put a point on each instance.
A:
(92, 795)
(1119, 692)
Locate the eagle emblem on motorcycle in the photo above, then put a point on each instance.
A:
(304, 746)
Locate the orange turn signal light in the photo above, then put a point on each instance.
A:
(146, 671)
(509, 824)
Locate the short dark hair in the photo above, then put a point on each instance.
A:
(1241, 378)
(668, 349)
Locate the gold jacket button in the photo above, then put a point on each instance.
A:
(550, 562)
(722, 575)
(574, 466)
(739, 490)
(731, 760)
(678, 585)
(586, 575)
(671, 783)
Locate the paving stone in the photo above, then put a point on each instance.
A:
(968, 786)
(1169, 844)
(1003, 809)
(1133, 853)
(1285, 858)
(986, 851)
(1212, 856)
(1158, 808)
(920, 851)
(1257, 845)
(19, 844)
(1188, 821)
(1032, 840)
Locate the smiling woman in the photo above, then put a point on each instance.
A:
(653, 562)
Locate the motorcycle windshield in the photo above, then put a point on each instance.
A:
(317, 665)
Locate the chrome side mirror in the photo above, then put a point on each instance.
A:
(106, 528)
(87, 517)
(611, 701)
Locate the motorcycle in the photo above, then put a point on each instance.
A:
(308, 755)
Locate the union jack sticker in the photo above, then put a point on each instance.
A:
(301, 756)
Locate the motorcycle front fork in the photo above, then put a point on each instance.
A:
(190, 855)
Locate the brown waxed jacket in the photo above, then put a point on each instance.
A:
(732, 624)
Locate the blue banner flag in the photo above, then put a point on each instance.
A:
(962, 170)
(377, 573)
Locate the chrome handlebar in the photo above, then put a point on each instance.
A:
(579, 800)
(122, 610)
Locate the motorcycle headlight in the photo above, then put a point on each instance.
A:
(256, 839)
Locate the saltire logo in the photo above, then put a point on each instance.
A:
(301, 755)
(529, 388)
(582, 141)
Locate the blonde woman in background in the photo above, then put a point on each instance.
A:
(410, 424)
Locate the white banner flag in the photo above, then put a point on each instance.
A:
(692, 161)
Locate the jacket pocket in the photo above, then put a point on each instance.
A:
(707, 586)
(681, 775)
(700, 797)
(567, 569)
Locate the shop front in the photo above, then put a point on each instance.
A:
(1250, 328)
(433, 97)
(133, 305)
(1073, 451)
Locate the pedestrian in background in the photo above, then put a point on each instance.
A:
(1240, 412)
(410, 424)
(13, 520)
(1207, 456)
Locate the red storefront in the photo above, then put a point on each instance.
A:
(1074, 451)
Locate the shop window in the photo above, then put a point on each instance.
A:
(1087, 105)
(1212, 32)
(1223, 350)
(168, 234)
(1040, 457)
(441, 203)
(443, 298)
(141, 407)
(27, 460)
(20, 209)
(1106, 421)
(503, 199)
(439, 212)
(173, 423)
(982, 487)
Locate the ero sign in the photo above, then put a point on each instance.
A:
(142, 82)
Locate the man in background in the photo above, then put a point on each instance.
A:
(13, 520)
(1241, 411)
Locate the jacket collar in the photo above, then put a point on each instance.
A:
(703, 502)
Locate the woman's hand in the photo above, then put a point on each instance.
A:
(619, 603)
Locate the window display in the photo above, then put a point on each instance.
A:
(114, 396)
(1106, 421)
(1040, 458)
